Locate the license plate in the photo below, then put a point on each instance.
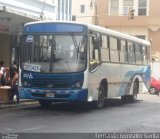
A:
(49, 94)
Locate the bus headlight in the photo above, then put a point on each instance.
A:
(77, 84)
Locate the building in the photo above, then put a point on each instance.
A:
(145, 23)
(84, 11)
(64, 9)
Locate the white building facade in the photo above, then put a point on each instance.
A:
(64, 10)
(84, 10)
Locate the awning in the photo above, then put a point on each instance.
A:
(11, 20)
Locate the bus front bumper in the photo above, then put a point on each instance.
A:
(55, 95)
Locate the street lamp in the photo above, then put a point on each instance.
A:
(93, 4)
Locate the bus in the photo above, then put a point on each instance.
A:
(77, 62)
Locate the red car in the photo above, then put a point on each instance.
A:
(154, 86)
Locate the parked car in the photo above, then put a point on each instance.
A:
(154, 86)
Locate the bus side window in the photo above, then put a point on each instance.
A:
(114, 49)
(144, 55)
(131, 53)
(123, 52)
(94, 52)
(104, 49)
(138, 53)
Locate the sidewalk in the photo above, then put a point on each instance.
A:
(22, 102)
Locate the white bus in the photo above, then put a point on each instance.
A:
(69, 61)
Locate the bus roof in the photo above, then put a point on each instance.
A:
(97, 28)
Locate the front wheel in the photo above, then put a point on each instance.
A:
(45, 103)
(100, 103)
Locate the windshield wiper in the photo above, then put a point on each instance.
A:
(75, 43)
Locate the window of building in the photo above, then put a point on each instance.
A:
(127, 4)
(114, 7)
(82, 8)
(142, 4)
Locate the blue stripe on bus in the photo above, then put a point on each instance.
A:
(68, 77)
(54, 28)
(128, 79)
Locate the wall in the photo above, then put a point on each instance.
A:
(5, 48)
(86, 17)
(154, 27)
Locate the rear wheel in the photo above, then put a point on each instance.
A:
(45, 103)
(131, 98)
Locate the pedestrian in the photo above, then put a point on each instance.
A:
(12, 68)
(1, 70)
(5, 78)
(2, 66)
(14, 86)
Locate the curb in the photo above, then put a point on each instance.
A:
(5, 105)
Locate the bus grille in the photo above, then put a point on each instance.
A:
(56, 95)
(51, 84)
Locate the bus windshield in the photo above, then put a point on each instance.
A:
(54, 53)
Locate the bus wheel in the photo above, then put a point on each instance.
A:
(100, 103)
(45, 103)
(124, 99)
(133, 97)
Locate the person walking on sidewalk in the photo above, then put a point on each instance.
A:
(5, 78)
(14, 86)
(12, 68)
(1, 69)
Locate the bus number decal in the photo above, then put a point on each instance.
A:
(32, 67)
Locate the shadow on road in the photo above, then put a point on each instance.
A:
(79, 107)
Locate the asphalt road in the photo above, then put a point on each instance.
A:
(140, 117)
